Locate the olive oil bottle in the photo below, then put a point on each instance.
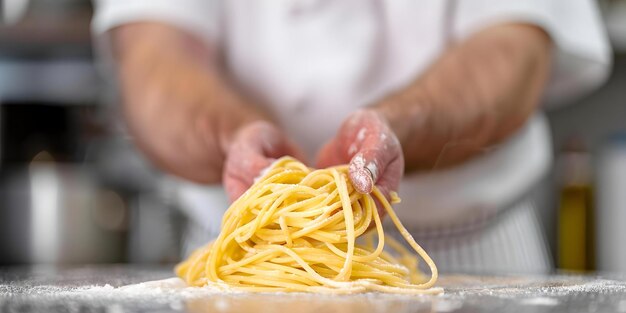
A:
(576, 216)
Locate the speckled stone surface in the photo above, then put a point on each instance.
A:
(122, 288)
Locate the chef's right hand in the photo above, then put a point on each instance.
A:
(366, 142)
(254, 148)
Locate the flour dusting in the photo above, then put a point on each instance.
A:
(542, 301)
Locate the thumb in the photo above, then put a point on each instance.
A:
(379, 159)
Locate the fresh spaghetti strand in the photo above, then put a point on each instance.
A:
(296, 229)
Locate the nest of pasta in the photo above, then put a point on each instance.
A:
(296, 229)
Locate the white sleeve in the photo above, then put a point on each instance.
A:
(582, 58)
(196, 16)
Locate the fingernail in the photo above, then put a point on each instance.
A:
(361, 176)
(373, 169)
(362, 181)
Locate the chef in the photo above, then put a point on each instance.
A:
(441, 100)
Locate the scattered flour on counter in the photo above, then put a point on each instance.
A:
(168, 283)
(596, 286)
(447, 305)
(174, 294)
(542, 301)
(164, 291)
(550, 288)
(175, 288)
(170, 286)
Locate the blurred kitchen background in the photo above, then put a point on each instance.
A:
(73, 189)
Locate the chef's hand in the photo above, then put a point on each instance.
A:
(368, 144)
(253, 149)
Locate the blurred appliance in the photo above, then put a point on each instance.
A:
(611, 203)
(57, 213)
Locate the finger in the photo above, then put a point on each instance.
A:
(362, 178)
(379, 161)
(243, 165)
(246, 158)
(235, 187)
(376, 147)
(254, 149)
(390, 180)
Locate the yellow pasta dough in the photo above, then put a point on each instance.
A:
(296, 228)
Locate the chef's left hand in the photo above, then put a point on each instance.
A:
(368, 144)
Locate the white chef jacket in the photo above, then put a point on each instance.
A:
(313, 62)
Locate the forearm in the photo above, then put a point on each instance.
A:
(177, 106)
(477, 94)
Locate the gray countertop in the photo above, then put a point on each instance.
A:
(97, 289)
